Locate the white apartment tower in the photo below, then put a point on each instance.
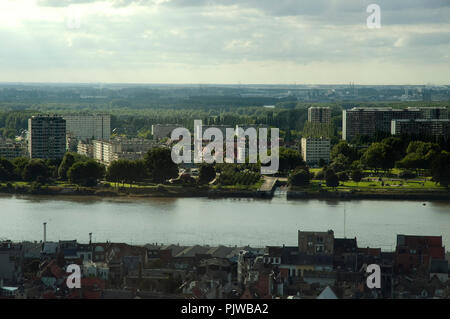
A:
(315, 149)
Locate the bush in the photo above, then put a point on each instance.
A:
(332, 179)
(231, 177)
(357, 175)
(207, 173)
(320, 175)
(299, 177)
(407, 175)
(161, 188)
(342, 176)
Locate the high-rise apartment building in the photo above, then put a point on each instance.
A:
(319, 115)
(362, 121)
(88, 127)
(424, 127)
(315, 150)
(46, 137)
(434, 113)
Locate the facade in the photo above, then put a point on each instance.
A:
(315, 149)
(430, 113)
(89, 127)
(85, 148)
(160, 131)
(46, 137)
(109, 151)
(10, 149)
(316, 243)
(423, 127)
(361, 121)
(319, 115)
(414, 253)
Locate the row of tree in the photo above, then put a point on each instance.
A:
(157, 166)
(422, 157)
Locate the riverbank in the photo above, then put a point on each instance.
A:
(375, 194)
(169, 191)
(177, 191)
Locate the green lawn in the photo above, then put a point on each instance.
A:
(388, 184)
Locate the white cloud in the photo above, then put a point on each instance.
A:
(223, 41)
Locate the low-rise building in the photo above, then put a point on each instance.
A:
(85, 148)
(160, 131)
(115, 149)
(316, 243)
(415, 253)
(11, 149)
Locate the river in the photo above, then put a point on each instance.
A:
(188, 221)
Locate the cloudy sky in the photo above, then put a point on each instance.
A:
(224, 41)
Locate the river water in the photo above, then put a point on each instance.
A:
(188, 221)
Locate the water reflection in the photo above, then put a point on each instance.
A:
(233, 221)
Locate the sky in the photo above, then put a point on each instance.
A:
(225, 41)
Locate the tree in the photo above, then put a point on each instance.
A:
(290, 159)
(299, 177)
(65, 165)
(419, 155)
(36, 170)
(207, 173)
(118, 171)
(6, 170)
(331, 178)
(440, 169)
(395, 149)
(139, 170)
(160, 165)
(340, 163)
(376, 157)
(86, 173)
(356, 175)
(343, 148)
(19, 165)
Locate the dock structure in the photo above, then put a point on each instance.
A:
(267, 189)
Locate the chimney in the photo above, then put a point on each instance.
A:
(45, 233)
(90, 238)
